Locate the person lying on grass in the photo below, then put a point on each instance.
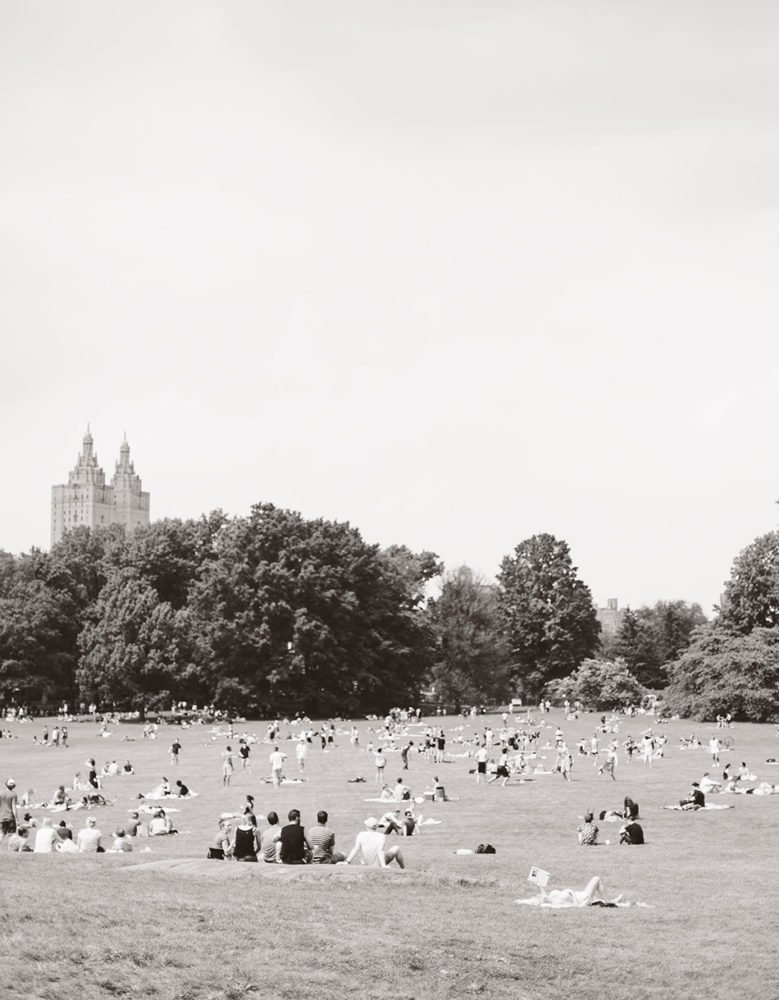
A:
(371, 845)
(592, 895)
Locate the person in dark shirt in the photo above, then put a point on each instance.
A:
(295, 848)
(630, 809)
(631, 833)
(696, 798)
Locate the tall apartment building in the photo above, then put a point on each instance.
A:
(85, 498)
(610, 617)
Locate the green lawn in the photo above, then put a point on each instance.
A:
(447, 927)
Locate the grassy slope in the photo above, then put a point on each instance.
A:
(78, 926)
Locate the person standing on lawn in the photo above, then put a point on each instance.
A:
(9, 816)
(228, 765)
(175, 750)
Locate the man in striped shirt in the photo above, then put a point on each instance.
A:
(322, 842)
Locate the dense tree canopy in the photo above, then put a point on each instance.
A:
(546, 611)
(471, 654)
(600, 685)
(269, 611)
(306, 614)
(650, 638)
(752, 593)
(724, 671)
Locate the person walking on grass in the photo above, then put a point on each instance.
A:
(243, 752)
(277, 758)
(228, 765)
(175, 750)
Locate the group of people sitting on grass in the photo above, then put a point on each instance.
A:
(630, 833)
(293, 844)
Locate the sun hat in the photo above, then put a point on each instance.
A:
(371, 822)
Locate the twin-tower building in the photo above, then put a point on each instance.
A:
(86, 499)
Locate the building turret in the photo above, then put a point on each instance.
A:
(86, 500)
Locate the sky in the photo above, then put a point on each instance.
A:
(457, 273)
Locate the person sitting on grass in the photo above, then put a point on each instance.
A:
(295, 848)
(695, 800)
(60, 799)
(322, 841)
(88, 839)
(45, 838)
(122, 843)
(410, 823)
(439, 792)
(160, 824)
(270, 840)
(246, 843)
(371, 845)
(133, 825)
(629, 809)
(17, 842)
(631, 833)
(221, 846)
(588, 832)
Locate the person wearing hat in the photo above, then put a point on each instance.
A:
(371, 845)
(9, 816)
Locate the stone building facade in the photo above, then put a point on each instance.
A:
(610, 617)
(86, 499)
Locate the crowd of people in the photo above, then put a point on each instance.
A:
(497, 754)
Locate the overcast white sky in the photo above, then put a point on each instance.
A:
(454, 272)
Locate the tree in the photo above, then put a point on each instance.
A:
(170, 553)
(650, 638)
(724, 671)
(471, 653)
(38, 653)
(293, 613)
(546, 611)
(600, 685)
(133, 647)
(752, 593)
(635, 644)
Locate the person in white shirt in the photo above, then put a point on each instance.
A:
(401, 792)
(88, 839)
(277, 759)
(371, 845)
(301, 751)
(45, 837)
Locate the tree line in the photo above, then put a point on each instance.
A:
(274, 613)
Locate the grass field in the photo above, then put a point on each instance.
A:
(448, 927)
